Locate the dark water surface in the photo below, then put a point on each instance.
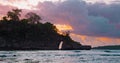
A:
(74, 56)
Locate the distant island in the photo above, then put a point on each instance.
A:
(30, 34)
(112, 47)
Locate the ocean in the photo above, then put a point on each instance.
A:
(61, 56)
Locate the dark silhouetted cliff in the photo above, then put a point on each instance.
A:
(31, 34)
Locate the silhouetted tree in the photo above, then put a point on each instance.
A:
(33, 17)
(14, 14)
(66, 33)
(4, 18)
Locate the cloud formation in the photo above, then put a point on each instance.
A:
(111, 12)
(95, 41)
(69, 12)
(109, 22)
(97, 19)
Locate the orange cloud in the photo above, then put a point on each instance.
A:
(95, 41)
(104, 39)
(63, 27)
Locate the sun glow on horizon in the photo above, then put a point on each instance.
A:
(64, 27)
(95, 41)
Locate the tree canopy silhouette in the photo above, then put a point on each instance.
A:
(14, 14)
(33, 17)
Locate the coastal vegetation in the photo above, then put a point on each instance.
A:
(112, 47)
(30, 33)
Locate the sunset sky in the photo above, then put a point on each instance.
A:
(91, 22)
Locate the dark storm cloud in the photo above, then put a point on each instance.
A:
(111, 12)
(100, 26)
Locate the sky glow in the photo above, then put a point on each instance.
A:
(30, 4)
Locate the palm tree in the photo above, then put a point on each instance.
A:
(14, 14)
(33, 17)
